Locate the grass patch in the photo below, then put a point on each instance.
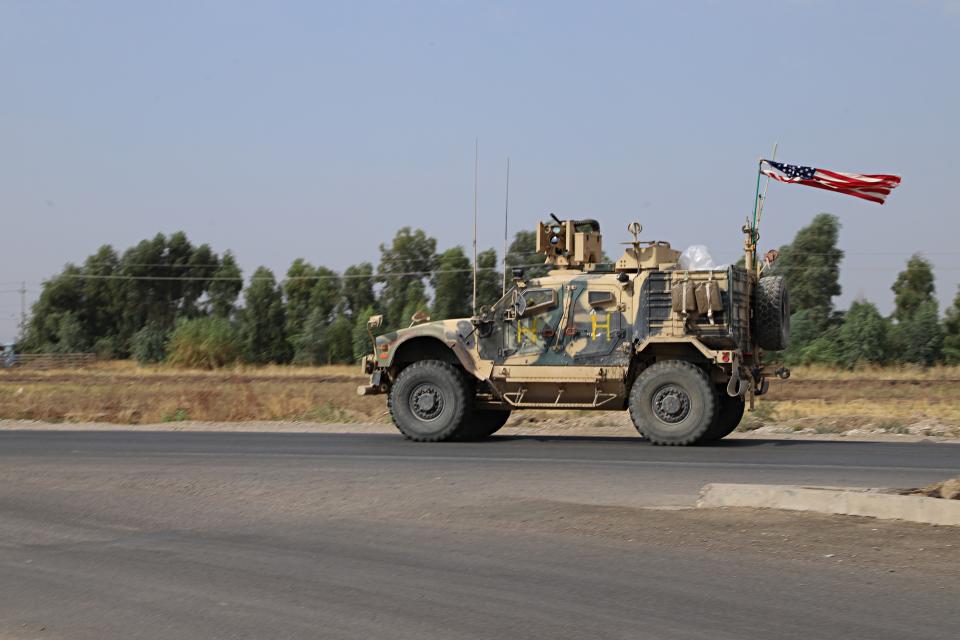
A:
(325, 412)
(178, 415)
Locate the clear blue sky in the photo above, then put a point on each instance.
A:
(316, 129)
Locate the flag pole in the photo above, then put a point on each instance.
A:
(751, 248)
(756, 201)
(763, 196)
(766, 185)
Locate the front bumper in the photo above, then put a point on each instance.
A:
(378, 378)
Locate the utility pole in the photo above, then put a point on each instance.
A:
(476, 178)
(23, 307)
(506, 225)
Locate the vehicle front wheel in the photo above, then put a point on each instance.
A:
(429, 401)
(673, 403)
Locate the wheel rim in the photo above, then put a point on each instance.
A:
(426, 402)
(671, 404)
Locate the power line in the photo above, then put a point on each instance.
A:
(340, 276)
(403, 274)
(169, 265)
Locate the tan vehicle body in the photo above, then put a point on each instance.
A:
(579, 336)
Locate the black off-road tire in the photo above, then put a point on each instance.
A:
(729, 415)
(771, 313)
(482, 424)
(672, 402)
(429, 402)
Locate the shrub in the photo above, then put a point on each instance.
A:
(203, 343)
(921, 337)
(150, 343)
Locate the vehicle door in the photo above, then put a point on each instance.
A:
(523, 326)
(595, 334)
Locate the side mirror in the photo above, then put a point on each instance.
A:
(418, 317)
(520, 305)
(374, 322)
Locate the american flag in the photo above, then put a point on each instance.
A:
(874, 188)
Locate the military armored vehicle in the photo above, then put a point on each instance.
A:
(680, 348)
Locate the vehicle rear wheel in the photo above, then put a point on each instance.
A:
(482, 424)
(673, 403)
(729, 416)
(429, 401)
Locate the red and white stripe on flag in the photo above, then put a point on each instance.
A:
(874, 188)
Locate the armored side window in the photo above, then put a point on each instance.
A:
(536, 301)
(600, 298)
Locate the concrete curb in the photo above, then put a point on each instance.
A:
(873, 503)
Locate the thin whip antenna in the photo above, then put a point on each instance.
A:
(763, 198)
(506, 225)
(476, 176)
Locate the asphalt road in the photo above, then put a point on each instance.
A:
(227, 535)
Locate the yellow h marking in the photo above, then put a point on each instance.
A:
(594, 325)
(529, 331)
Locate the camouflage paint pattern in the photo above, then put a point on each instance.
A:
(573, 345)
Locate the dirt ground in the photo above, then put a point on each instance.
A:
(881, 403)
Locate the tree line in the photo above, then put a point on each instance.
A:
(860, 335)
(167, 299)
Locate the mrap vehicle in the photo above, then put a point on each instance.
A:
(680, 348)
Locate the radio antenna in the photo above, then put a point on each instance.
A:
(476, 175)
(506, 221)
(763, 198)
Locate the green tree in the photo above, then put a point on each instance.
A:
(202, 264)
(358, 288)
(811, 266)
(312, 293)
(104, 303)
(415, 302)
(339, 341)
(951, 332)
(263, 320)
(71, 335)
(298, 290)
(164, 279)
(489, 278)
(311, 344)
(452, 285)
(102, 296)
(863, 336)
(522, 252)
(361, 335)
(913, 288)
(804, 329)
(47, 327)
(404, 264)
(326, 294)
(920, 337)
(225, 287)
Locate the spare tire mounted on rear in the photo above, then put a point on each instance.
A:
(771, 320)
